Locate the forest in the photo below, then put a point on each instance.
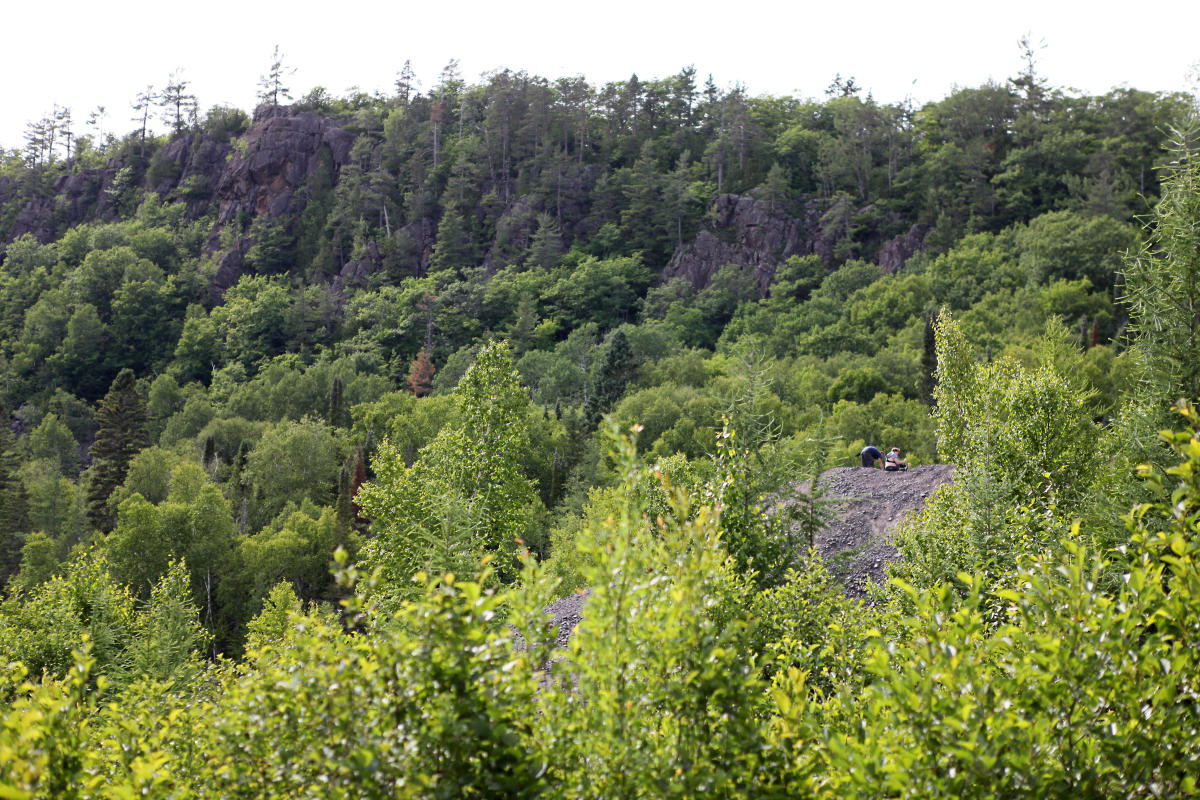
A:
(312, 412)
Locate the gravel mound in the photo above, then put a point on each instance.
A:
(566, 614)
(868, 504)
(856, 545)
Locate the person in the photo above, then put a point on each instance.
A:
(894, 461)
(870, 454)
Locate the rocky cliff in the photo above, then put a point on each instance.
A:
(262, 175)
(268, 173)
(758, 235)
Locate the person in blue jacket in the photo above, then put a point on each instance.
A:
(872, 455)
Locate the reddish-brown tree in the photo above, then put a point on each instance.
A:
(420, 374)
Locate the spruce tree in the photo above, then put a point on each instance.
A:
(123, 430)
(928, 362)
(612, 375)
(545, 251)
(337, 404)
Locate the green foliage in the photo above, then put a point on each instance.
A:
(293, 461)
(654, 693)
(466, 495)
(167, 636)
(122, 421)
(42, 628)
(52, 440)
(1162, 282)
(297, 547)
(806, 623)
(1025, 448)
(1005, 661)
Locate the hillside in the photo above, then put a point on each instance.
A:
(308, 412)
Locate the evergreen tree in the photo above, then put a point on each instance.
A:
(177, 104)
(343, 506)
(337, 404)
(545, 251)
(613, 373)
(271, 87)
(142, 104)
(928, 361)
(454, 250)
(122, 430)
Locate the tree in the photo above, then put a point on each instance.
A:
(466, 495)
(420, 374)
(178, 106)
(405, 83)
(293, 461)
(13, 504)
(337, 417)
(612, 374)
(545, 250)
(122, 431)
(272, 86)
(52, 440)
(454, 250)
(168, 639)
(1162, 281)
(142, 103)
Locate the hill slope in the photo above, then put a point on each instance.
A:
(869, 504)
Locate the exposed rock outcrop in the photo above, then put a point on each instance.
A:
(756, 235)
(744, 231)
(279, 152)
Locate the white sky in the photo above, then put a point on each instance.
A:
(85, 54)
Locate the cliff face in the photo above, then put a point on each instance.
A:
(261, 177)
(268, 174)
(264, 176)
(758, 236)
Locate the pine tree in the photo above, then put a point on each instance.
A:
(178, 105)
(142, 104)
(123, 430)
(271, 86)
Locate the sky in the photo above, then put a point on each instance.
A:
(86, 54)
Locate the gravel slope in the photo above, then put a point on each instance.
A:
(855, 545)
(868, 505)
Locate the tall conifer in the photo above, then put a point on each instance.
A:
(123, 423)
(612, 375)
